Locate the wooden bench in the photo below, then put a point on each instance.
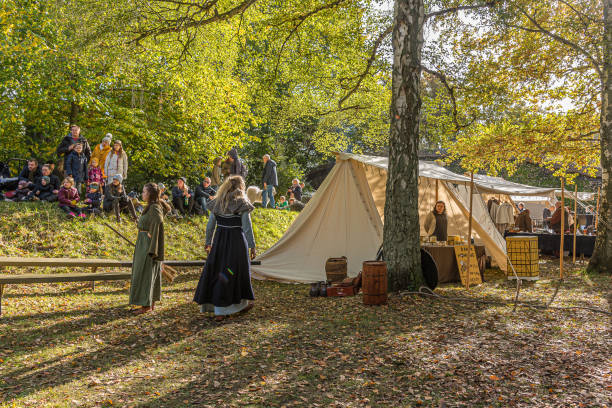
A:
(94, 264)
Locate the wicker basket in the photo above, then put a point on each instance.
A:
(523, 254)
(335, 269)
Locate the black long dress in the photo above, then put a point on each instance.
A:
(226, 279)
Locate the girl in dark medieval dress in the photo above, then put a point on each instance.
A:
(225, 285)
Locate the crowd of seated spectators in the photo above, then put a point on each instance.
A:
(92, 181)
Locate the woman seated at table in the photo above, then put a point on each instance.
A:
(436, 223)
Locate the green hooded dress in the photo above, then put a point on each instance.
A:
(149, 252)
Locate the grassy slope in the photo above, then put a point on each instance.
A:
(41, 229)
(62, 345)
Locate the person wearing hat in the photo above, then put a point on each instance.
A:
(116, 199)
(182, 197)
(101, 151)
(93, 199)
(43, 190)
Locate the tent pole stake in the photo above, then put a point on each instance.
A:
(562, 246)
(469, 238)
(575, 220)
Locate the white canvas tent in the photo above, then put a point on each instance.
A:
(345, 217)
(497, 185)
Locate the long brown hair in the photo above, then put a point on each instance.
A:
(120, 151)
(436, 204)
(153, 191)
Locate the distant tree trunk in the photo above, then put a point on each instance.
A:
(74, 113)
(601, 261)
(401, 230)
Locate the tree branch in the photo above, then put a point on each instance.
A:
(560, 39)
(300, 20)
(584, 18)
(371, 60)
(489, 3)
(342, 109)
(184, 23)
(451, 94)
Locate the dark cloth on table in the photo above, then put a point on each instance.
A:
(226, 278)
(549, 244)
(446, 261)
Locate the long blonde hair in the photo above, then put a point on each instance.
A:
(230, 185)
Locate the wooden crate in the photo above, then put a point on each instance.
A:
(524, 255)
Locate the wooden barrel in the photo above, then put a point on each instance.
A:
(374, 283)
(335, 269)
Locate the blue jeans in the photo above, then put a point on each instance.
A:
(268, 194)
(203, 202)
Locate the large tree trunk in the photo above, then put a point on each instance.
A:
(401, 231)
(601, 261)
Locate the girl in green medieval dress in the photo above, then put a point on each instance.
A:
(145, 289)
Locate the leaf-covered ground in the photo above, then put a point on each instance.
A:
(62, 345)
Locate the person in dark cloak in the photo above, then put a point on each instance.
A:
(225, 284)
(145, 289)
(436, 223)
